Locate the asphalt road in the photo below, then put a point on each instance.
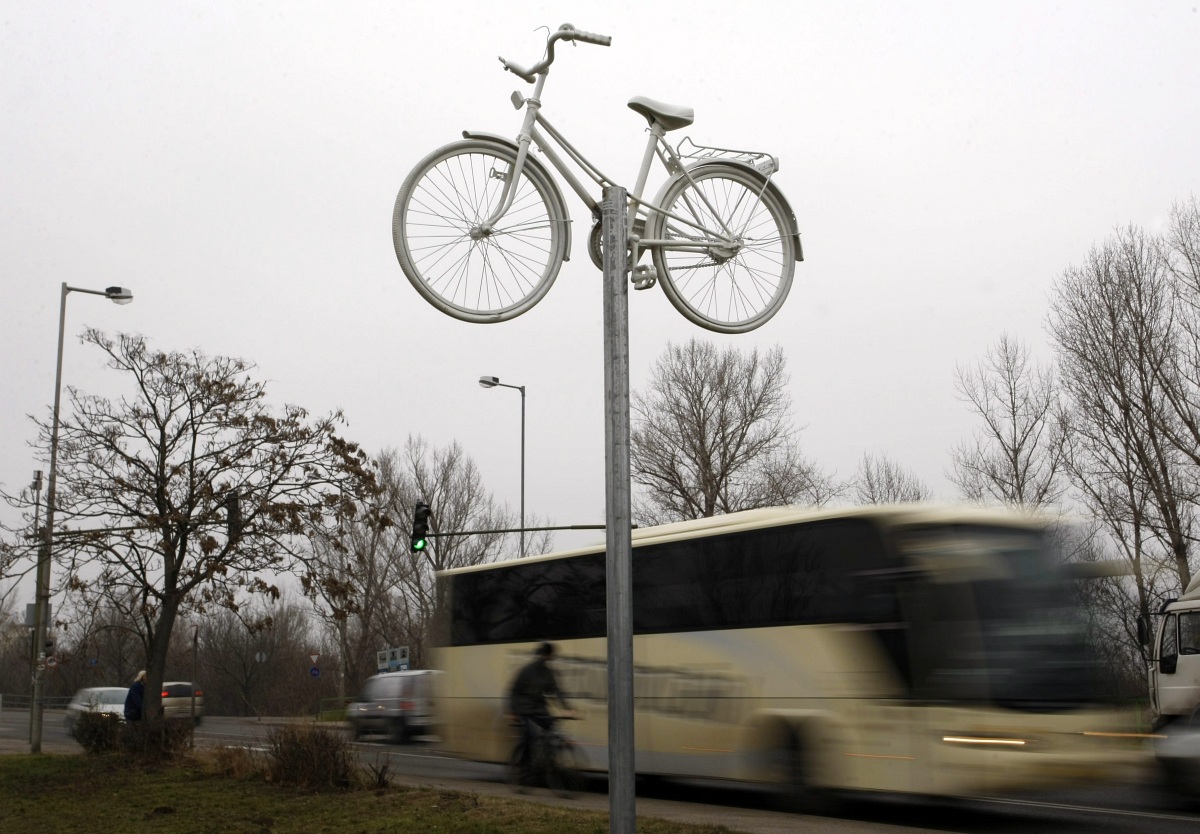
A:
(1134, 807)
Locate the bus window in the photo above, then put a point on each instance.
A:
(990, 619)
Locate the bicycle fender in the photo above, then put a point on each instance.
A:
(536, 164)
(758, 175)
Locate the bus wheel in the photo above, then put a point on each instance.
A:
(797, 793)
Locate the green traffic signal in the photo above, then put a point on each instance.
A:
(420, 528)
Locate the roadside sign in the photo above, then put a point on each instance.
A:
(381, 661)
(397, 658)
(51, 662)
(314, 658)
(31, 614)
(314, 672)
(261, 657)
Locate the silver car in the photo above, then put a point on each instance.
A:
(177, 700)
(106, 699)
(399, 705)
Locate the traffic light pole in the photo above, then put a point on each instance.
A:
(619, 540)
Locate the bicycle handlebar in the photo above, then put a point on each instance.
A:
(574, 34)
(566, 32)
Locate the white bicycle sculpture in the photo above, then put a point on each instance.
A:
(481, 228)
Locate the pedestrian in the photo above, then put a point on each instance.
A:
(136, 697)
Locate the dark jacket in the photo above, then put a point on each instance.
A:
(532, 687)
(133, 701)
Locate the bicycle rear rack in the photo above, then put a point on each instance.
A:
(761, 161)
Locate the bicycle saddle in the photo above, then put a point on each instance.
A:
(670, 116)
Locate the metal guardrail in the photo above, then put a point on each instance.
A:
(20, 701)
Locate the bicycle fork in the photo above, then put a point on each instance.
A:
(524, 140)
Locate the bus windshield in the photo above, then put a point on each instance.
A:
(992, 618)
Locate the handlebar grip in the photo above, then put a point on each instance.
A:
(591, 37)
(518, 70)
(569, 33)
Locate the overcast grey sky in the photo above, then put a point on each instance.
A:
(236, 163)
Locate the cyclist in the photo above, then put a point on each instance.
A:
(528, 700)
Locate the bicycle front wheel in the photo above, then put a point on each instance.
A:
(515, 768)
(458, 265)
(731, 266)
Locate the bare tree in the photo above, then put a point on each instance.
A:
(15, 662)
(1179, 376)
(1113, 323)
(368, 586)
(144, 483)
(1015, 457)
(712, 434)
(254, 661)
(99, 643)
(880, 480)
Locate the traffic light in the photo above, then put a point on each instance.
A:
(233, 514)
(420, 528)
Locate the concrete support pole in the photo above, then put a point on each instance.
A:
(619, 572)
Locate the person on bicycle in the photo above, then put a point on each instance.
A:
(529, 696)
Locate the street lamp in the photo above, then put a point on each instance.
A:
(494, 382)
(41, 609)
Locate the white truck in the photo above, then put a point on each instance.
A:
(1175, 658)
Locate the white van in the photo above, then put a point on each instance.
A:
(399, 705)
(1175, 658)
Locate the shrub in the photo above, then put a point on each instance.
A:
(311, 758)
(235, 762)
(155, 740)
(97, 732)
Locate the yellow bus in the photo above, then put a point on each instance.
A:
(910, 648)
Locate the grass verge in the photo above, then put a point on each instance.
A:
(70, 793)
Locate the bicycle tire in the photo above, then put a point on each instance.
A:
(721, 288)
(563, 774)
(469, 275)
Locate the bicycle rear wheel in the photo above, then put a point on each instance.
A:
(563, 773)
(467, 272)
(733, 285)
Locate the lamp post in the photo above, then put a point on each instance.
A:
(41, 610)
(494, 382)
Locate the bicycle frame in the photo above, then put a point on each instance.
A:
(656, 146)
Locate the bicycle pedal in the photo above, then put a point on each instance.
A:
(644, 277)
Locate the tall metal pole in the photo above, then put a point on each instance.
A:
(41, 609)
(618, 573)
(42, 597)
(494, 382)
(521, 388)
